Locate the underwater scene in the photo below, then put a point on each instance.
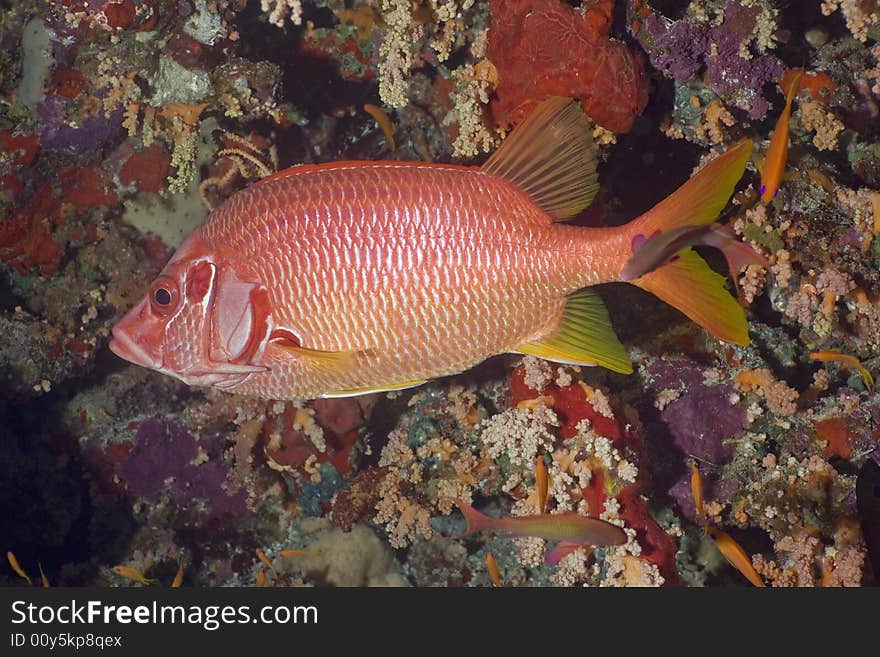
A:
(439, 293)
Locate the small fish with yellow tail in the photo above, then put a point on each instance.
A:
(348, 278)
(834, 356)
(773, 170)
(735, 555)
(133, 574)
(572, 530)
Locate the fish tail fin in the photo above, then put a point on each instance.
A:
(551, 156)
(474, 520)
(689, 285)
(661, 263)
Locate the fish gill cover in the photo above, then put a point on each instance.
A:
(123, 122)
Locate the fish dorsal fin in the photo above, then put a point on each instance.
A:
(584, 337)
(551, 156)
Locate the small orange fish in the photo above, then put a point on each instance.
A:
(347, 278)
(17, 568)
(133, 574)
(43, 579)
(381, 117)
(494, 573)
(261, 578)
(777, 152)
(735, 555)
(569, 528)
(852, 362)
(296, 553)
(178, 577)
(542, 483)
(697, 491)
(262, 557)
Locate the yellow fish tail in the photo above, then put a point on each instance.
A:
(681, 277)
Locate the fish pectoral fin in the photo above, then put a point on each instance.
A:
(355, 392)
(551, 157)
(584, 337)
(324, 361)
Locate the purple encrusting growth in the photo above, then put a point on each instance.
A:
(682, 48)
(702, 417)
(79, 138)
(161, 464)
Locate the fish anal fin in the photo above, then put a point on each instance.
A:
(356, 392)
(551, 157)
(689, 285)
(584, 337)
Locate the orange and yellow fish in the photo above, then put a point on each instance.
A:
(777, 152)
(178, 577)
(133, 574)
(13, 563)
(542, 484)
(43, 579)
(697, 492)
(348, 278)
(735, 555)
(494, 573)
(384, 123)
(296, 553)
(852, 362)
(572, 530)
(262, 557)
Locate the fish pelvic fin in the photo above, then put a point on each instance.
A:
(663, 263)
(584, 337)
(551, 156)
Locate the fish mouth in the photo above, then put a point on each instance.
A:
(123, 346)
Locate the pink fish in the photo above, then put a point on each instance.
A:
(572, 530)
(353, 277)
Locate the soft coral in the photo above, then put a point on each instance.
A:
(546, 48)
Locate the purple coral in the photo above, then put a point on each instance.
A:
(681, 48)
(79, 138)
(162, 464)
(702, 417)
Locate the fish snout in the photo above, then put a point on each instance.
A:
(131, 341)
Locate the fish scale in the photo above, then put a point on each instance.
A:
(434, 272)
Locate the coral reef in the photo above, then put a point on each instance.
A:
(123, 123)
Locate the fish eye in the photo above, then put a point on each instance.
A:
(775, 193)
(763, 189)
(164, 296)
